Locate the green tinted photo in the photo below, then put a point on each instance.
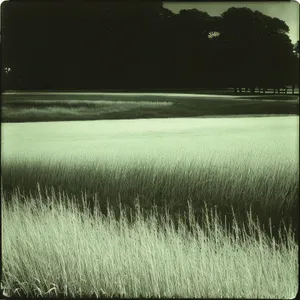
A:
(150, 149)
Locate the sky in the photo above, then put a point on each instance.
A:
(286, 11)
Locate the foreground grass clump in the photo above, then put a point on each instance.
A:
(52, 248)
(271, 192)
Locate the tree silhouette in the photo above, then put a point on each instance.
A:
(141, 45)
(296, 48)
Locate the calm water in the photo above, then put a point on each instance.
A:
(160, 140)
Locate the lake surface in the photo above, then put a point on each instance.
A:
(276, 139)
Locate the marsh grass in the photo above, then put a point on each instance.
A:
(53, 248)
(47, 110)
(34, 107)
(84, 103)
(271, 192)
(164, 229)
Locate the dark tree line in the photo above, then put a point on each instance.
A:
(141, 45)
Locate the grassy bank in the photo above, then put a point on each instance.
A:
(51, 248)
(60, 107)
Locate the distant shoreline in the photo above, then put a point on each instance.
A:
(171, 93)
(122, 94)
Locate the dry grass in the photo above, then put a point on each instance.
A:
(270, 191)
(50, 248)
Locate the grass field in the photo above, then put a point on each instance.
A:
(29, 107)
(53, 249)
(147, 208)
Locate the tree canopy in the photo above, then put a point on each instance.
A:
(141, 45)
